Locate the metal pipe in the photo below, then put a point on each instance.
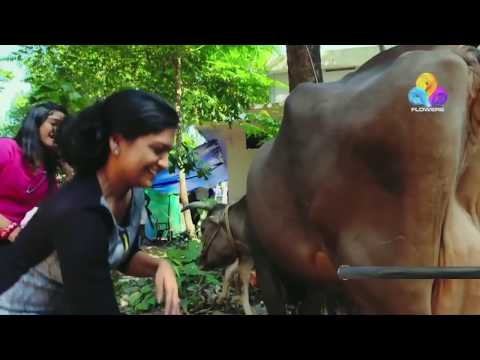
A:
(346, 272)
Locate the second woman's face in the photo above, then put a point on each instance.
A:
(49, 127)
(141, 159)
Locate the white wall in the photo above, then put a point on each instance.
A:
(238, 158)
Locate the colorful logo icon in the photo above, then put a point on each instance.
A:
(427, 93)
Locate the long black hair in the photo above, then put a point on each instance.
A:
(83, 140)
(28, 138)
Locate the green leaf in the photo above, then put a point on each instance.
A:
(134, 298)
(67, 87)
(151, 301)
(74, 96)
(142, 307)
(191, 269)
(184, 304)
(5, 76)
(210, 279)
(147, 289)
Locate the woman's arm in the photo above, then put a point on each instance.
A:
(81, 241)
(142, 265)
(28, 216)
(31, 247)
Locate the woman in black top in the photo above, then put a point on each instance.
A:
(115, 146)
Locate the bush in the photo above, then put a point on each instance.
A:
(197, 288)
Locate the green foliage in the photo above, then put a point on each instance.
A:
(219, 82)
(59, 92)
(5, 75)
(19, 109)
(9, 129)
(260, 125)
(14, 117)
(183, 157)
(191, 279)
(196, 286)
(135, 295)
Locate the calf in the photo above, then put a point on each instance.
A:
(224, 245)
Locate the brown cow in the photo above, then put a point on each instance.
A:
(356, 177)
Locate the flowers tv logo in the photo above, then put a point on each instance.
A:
(427, 96)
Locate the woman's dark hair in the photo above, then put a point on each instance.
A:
(28, 138)
(83, 141)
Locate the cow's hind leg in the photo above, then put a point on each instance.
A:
(269, 282)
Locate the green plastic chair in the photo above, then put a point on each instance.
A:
(164, 215)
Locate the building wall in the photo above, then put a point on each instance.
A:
(239, 158)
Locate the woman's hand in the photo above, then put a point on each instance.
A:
(13, 235)
(67, 170)
(167, 288)
(28, 216)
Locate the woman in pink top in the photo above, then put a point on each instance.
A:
(28, 164)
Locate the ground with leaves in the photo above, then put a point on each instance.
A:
(198, 289)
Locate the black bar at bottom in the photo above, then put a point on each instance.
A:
(346, 272)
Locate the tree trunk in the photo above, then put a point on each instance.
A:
(187, 216)
(304, 64)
